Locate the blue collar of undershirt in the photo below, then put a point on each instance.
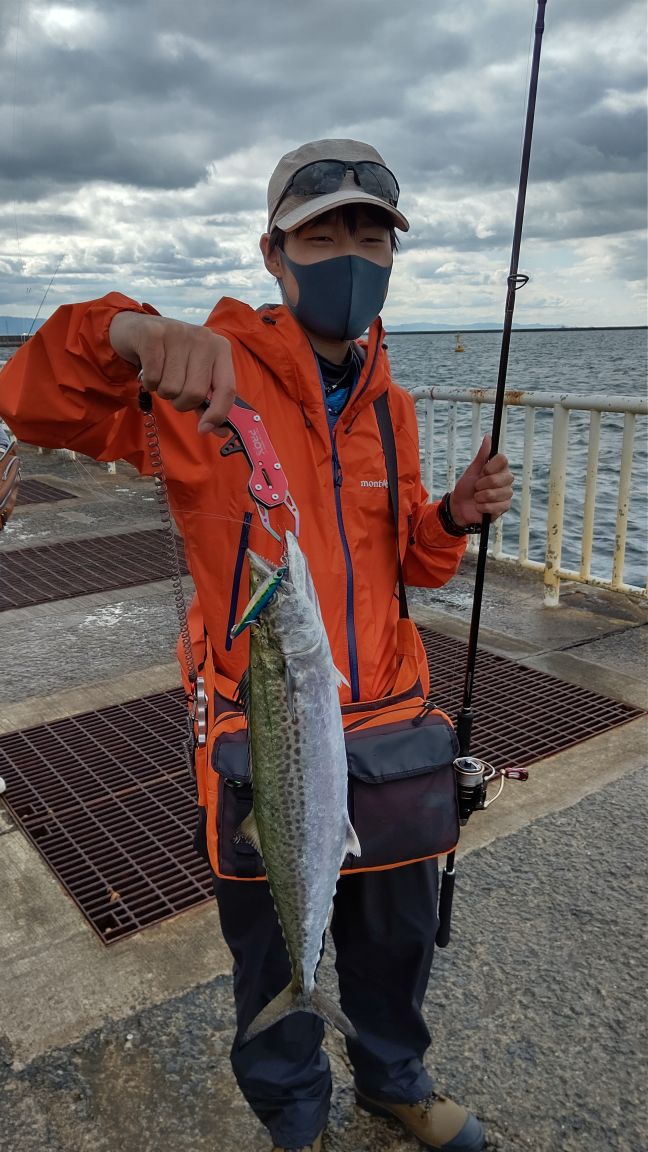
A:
(338, 382)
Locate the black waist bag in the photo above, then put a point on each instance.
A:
(402, 792)
(401, 798)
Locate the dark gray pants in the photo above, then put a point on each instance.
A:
(383, 927)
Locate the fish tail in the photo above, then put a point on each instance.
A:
(331, 1014)
(295, 999)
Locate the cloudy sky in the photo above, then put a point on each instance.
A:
(138, 137)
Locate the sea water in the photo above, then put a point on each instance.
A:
(604, 362)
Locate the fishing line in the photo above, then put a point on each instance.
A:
(13, 118)
(85, 473)
(17, 229)
(97, 486)
(45, 295)
(98, 489)
(526, 79)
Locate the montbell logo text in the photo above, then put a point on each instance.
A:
(374, 484)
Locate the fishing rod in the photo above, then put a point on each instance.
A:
(472, 779)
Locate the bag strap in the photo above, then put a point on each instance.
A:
(386, 429)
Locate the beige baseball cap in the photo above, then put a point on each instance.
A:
(290, 211)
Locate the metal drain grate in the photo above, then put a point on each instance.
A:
(59, 571)
(107, 800)
(521, 715)
(37, 492)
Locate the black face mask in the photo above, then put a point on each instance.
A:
(340, 297)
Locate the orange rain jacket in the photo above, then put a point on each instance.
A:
(67, 388)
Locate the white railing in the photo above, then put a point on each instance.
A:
(534, 495)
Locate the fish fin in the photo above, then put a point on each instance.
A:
(248, 830)
(294, 999)
(290, 688)
(352, 845)
(340, 679)
(242, 694)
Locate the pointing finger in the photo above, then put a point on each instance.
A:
(223, 390)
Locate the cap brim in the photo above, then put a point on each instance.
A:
(308, 209)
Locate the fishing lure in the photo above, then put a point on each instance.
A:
(262, 596)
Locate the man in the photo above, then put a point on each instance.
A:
(332, 215)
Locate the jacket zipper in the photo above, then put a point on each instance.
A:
(364, 387)
(352, 645)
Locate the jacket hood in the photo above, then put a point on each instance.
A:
(275, 338)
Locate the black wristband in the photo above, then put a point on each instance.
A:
(450, 525)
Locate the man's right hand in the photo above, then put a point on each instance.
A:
(185, 364)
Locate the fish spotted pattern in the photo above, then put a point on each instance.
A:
(299, 821)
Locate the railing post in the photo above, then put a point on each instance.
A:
(451, 458)
(590, 494)
(556, 506)
(475, 442)
(475, 434)
(429, 446)
(527, 473)
(498, 545)
(624, 500)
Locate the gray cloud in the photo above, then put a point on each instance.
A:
(138, 136)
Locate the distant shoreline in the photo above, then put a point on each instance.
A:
(484, 331)
(11, 339)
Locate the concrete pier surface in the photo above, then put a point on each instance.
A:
(537, 1008)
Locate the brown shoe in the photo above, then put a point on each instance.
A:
(314, 1147)
(438, 1122)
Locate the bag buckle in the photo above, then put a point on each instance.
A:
(198, 712)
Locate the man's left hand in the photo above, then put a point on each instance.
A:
(485, 487)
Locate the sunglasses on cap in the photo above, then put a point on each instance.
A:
(323, 176)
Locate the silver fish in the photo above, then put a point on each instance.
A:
(299, 821)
